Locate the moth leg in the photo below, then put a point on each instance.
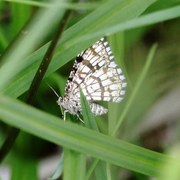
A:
(64, 115)
(80, 118)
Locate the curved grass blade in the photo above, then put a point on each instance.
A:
(81, 139)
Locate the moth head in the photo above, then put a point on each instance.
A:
(60, 103)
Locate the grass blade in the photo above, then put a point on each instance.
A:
(81, 139)
(136, 88)
(108, 14)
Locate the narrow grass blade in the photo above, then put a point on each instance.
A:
(171, 168)
(22, 167)
(110, 13)
(144, 20)
(59, 169)
(74, 165)
(136, 88)
(117, 45)
(13, 61)
(3, 40)
(90, 122)
(88, 117)
(63, 5)
(81, 139)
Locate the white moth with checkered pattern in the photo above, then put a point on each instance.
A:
(99, 78)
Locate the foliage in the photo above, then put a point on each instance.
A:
(92, 150)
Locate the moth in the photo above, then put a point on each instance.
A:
(99, 78)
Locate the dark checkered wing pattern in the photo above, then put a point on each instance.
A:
(96, 73)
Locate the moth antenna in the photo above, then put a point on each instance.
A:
(54, 91)
(58, 98)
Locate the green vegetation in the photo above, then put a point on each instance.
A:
(139, 138)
